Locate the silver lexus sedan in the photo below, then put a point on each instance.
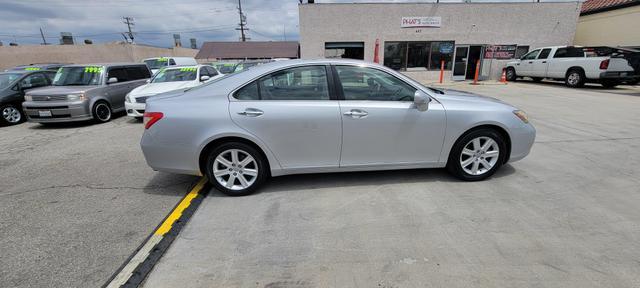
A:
(312, 116)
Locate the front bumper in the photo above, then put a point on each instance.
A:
(522, 139)
(60, 111)
(134, 109)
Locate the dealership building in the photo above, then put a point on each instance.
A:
(418, 39)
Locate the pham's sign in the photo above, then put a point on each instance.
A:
(412, 22)
(500, 52)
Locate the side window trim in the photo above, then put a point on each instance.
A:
(339, 86)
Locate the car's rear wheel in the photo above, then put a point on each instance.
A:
(102, 112)
(575, 78)
(511, 74)
(477, 155)
(236, 169)
(11, 114)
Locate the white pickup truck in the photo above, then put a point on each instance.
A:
(577, 65)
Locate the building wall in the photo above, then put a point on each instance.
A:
(533, 24)
(11, 56)
(620, 27)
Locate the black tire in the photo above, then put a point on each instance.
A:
(536, 79)
(11, 114)
(610, 83)
(511, 74)
(101, 112)
(454, 164)
(260, 164)
(576, 82)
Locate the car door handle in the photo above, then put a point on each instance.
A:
(544, 61)
(530, 62)
(251, 112)
(356, 113)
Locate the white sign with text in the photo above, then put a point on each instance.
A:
(411, 22)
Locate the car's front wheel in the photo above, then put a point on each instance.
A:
(11, 114)
(236, 169)
(510, 74)
(101, 112)
(477, 155)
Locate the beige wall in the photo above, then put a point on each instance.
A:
(532, 24)
(620, 27)
(114, 52)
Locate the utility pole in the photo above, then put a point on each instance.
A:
(129, 21)
(243, 23)
(44, 41)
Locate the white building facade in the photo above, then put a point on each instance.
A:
(419, 38)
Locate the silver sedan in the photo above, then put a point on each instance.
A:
(313, 116)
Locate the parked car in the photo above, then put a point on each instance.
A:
(248, 64)
(224, 67)
(13, 86)
(168, 79)
(309, 116)
(575, 65)
(84, 92)
(160, 62)
(38, 67)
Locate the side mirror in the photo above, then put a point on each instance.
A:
(112, 80)
(148, 81)
(421, 100)
(204, 78)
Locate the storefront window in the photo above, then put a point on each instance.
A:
(395, 55)
(441, 51)
(415, 55)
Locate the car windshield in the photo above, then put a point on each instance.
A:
(225, 68)
(82, 75)
(7, 79)
(157, 63)
(173, 75)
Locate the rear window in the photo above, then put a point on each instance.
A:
(138, 72)
(569, 52)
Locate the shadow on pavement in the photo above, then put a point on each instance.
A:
(170, 184)
(350, 179)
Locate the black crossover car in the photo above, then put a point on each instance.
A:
(13, 85)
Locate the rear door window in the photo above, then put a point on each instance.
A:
(569, 52)
(544, 54)
(300, 83)
(119, 73)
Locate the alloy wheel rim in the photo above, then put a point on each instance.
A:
(103, 112)
(11, 114)
(235, 169)
(573, 78)
(479, 155)
(509, 73)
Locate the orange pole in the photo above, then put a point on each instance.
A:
(475, 78)
(441, 70)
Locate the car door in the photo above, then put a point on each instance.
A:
(292, 112)
(380, 123)
(540, 64)
(525, 67)
(116, 92)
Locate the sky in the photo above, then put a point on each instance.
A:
(155, 20)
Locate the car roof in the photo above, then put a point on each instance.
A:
(187, 66)
(105, 64)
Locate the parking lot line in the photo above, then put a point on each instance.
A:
(139, 265)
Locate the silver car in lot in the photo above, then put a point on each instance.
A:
(84, 92)
(312, 116)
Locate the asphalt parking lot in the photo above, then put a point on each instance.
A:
(78, 199)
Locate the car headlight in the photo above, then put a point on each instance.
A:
(523, 116)
(75, 97)
(28, 98)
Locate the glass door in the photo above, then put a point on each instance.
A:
(460, 63)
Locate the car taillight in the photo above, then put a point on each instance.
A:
(604, 64)
(151, 118)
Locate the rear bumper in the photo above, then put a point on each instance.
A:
(620, 75)
(60, 111)
(168, 157)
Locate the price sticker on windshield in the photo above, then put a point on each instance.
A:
(32, 69)
(188, 69)
(92, 69)
(163, 59)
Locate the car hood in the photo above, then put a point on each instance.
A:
(456, 95)
(60, 90)
(157, 88)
